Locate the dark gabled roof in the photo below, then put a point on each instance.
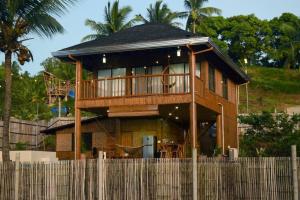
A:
(136, 34)
(52, 130)
(148, 36)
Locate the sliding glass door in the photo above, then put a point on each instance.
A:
(111, 82)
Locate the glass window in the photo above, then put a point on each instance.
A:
(180, 83)
(212, 78)
(104, 83)
(155, 85)
(198, 70)
(118, 84)
(110, 83)
(225, 86)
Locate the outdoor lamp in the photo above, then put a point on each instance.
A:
(246, 61)
(178, 52)
(104, 59)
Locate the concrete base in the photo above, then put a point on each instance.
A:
(32, 156)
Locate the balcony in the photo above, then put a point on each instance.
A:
(135, 86)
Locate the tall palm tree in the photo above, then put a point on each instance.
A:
(161, 13)
(115, 20)
(196, 12)
(18, 19)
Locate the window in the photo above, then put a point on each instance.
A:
(179, 84)
(211, 78)
(111, 87)
(225, 86)
(198, 70)
(86, 142)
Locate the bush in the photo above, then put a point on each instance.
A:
(270, 135)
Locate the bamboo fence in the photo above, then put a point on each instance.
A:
(143, 179)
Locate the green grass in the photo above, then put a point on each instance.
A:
(270, 89)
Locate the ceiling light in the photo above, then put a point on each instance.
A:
(156, 62)
(178, 52)
(107, 111)
(176, 118)
(169, 56)
(170, 114)
(176, 107)
(145, 67)
(104, 59)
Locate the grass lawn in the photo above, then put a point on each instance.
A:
(271, 88)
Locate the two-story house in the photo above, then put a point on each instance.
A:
(155, 80)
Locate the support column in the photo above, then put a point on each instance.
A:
(193, 121)
(77, 110)
(219, 131)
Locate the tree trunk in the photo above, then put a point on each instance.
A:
(7, 108)
(194, 27)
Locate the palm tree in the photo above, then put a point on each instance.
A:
(115, 20)
(160, 13)
(196, 12)
(18, 19)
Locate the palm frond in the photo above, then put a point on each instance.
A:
(209, 11)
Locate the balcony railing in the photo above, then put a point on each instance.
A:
(141, 85)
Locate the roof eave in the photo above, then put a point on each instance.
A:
(131, 47)
(229, 62)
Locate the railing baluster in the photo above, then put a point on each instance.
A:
(139, 86)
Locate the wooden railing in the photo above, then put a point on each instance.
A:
(142, 85)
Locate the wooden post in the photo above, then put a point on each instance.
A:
(219, 131)
(77, 110)
(101, 174)
(193, 121)
(294, 170)
(17, 176)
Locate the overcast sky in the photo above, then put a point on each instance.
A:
(73, 21)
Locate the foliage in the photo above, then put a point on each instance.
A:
(28, 95)
(196, 13)
(270, 89)
(285, 40)
(62, 70)
(271, 43)
(270, 135)
(115, 20)
(20, 146)
(50, 143)
(161, 13)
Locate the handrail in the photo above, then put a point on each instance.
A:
(135, 85)
(137, 76)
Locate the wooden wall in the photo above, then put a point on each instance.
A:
(212, 100)
(125, 132)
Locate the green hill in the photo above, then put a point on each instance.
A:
(270, 89)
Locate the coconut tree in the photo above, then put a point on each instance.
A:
(161, 13)
(115, 19)
(19, 19)
(196, 12)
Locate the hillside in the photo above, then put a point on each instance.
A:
(271, 88)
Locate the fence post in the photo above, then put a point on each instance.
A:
(294, 170)
(101, 158)
(17, 176)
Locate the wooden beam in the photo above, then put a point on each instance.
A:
(77, 110)
(219, 131)
(193, 121)
(193, 108)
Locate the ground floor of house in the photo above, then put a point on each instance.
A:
(146, 137)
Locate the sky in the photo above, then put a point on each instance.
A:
(75, 30)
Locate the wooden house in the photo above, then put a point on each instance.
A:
(152, 80)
